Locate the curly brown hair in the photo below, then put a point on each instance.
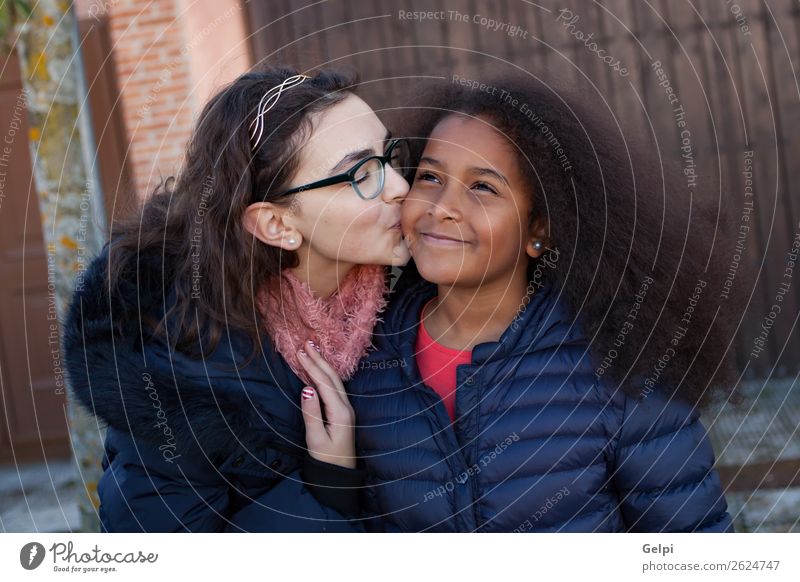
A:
(618, 218)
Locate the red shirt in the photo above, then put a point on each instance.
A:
(437, 364)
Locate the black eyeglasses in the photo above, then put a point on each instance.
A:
(368, 176)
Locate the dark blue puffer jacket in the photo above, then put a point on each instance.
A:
(193, 444)
(540, 443)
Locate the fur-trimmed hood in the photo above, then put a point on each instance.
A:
(135, 382)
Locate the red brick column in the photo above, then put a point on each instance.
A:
(170, 55)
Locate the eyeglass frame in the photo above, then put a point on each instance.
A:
(349, 175)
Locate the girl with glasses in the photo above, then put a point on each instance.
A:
(189, 336)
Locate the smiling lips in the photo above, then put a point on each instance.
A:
(441, 240)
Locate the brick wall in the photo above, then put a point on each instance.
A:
(169, 56)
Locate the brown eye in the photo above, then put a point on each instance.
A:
(484, 186)
(426, 177)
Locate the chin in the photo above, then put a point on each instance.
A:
(399, 261)
(438, 273)
(396, 253)
(396, 257)
(401, 255)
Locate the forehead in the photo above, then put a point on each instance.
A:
(471, 140)
(347, 126)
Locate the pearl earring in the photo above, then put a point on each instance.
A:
(538, 245)
(291, 241)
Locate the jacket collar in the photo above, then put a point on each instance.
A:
(543, 323)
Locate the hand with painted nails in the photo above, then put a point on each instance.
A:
(332, 439)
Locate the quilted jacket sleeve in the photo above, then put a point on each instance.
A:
(141, 491)
(664, 469)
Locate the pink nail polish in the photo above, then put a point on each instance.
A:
(303, 353)
(313, 345)
(308, 393)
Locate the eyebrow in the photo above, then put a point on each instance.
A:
(354, 157)
(476, 171)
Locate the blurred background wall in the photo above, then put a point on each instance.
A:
(726, 69)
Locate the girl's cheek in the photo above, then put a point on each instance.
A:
(409, 211)
(360, 216)
(374, 211)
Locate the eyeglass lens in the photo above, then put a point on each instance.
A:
(370, 177)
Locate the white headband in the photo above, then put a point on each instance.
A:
(267, 102)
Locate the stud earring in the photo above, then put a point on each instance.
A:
(538, 245)
(291, 241)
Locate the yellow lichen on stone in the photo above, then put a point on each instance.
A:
(69, 242)
(39, 68)
(91, 489)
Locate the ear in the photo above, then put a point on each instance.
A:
(538, 233)
(267, 222)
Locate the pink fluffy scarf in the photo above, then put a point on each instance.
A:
(341, 324)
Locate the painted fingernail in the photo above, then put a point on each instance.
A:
(308, 393)
(313, 345)
(303, 353)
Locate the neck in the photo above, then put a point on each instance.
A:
(463, 317)
(322, 275)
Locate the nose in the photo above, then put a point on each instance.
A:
(395, 187)
(446, 205)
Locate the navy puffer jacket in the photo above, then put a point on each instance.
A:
(193, 444)
(539, 444)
